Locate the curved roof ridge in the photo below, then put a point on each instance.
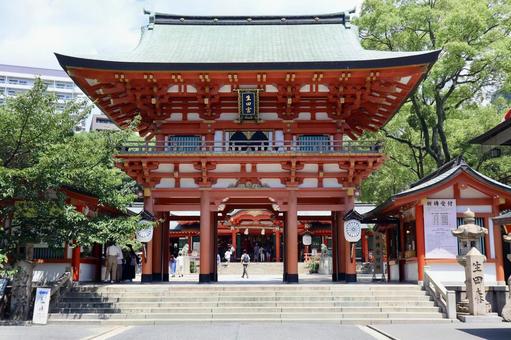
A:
(246, 19)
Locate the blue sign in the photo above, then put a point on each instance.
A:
(248, 104)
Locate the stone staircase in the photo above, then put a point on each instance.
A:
(151, 304)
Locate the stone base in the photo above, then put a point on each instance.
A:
(488, 318)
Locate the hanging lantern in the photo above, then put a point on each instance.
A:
(262, 231)
(246, 231)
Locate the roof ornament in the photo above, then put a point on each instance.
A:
(347, 17)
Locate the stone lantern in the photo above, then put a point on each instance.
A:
(471, 258)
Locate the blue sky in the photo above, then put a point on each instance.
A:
(31, 30)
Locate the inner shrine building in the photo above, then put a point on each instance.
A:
(250, 113)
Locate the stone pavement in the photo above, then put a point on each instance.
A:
(258, 331)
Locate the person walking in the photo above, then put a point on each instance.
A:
(245, 260)
(172, 265)
(227, 257)
(256, 252)
(112, 252)
(180, 264)
(132, 262)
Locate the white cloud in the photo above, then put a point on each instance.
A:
(32, 30)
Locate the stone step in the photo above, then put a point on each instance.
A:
(254, 298)
(167, 288)
(250, 304)
(239, 293)
(259, 309)
(236, 316)
(345, 321)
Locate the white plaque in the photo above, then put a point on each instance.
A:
(352, 230)
(307, 239)
(146, 234)
(439, 220)
(41, 306)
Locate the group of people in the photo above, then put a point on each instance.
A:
(176, 265)
(120, 266)
(261, 253)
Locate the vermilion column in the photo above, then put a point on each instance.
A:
(292, 238)
(157, 245)
(233, 240)
(497, 238)
(277, 245)
(365, 252)
(419, 235)
(75, 262)
(205, 238)
(213, 276)
(335, 246)
(147, 256)
(349, 256)
(165, 248)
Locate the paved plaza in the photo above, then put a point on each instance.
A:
(249, 331)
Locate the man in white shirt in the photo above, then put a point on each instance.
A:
(112, 253)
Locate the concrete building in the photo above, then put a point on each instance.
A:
(101, 122)
(15, 80)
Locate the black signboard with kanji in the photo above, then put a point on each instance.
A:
(248, 102)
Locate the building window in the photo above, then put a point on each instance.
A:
(479, 244)
(11, 92)
(2, 79)
(103, 121)
(314, 143)
(13, 81)
(184, 143)
(48, 253)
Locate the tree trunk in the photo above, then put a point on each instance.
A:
(21, 297)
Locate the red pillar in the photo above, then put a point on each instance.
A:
(365, 251)
(157, 251)
(75, 262)
(402, 249)
(233, 239)
(165, 248)
(189, 244)
(499, 252)
(277, 245)
(335, 247)
(349, 249)
(147, 256)
(419, 236)
(205, 238)
(292, 238)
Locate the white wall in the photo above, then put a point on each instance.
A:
(411, 271)
(453, 273)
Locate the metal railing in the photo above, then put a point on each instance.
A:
(445, 299)
(247, 147)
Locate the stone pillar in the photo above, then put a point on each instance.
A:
(419, 237)
(157, 245)
(474, 273)
(205, 238)
(292, 238)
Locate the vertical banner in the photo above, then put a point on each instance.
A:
(439, 220)
(41, 306)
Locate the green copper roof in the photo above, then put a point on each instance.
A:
(170, 39)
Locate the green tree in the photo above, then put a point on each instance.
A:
(448, 108)
(40, 155)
